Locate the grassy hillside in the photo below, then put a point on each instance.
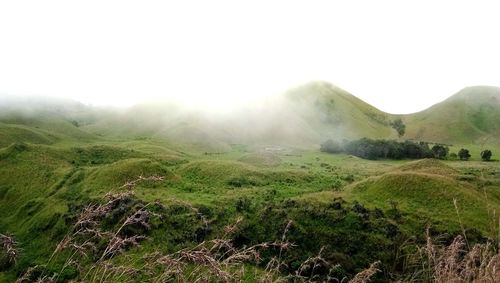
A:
(337, 114)
(472, 116)
(41, 121)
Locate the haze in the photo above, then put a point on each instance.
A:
(400, 56)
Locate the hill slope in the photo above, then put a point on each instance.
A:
(332, 112)
(472, 116)
(41, 121)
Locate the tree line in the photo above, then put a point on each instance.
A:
(390, 149)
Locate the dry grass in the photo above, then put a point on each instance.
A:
(131, 184)
(366, 275)
(9, 247)
(457, 263)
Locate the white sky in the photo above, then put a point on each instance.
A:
(400, 56)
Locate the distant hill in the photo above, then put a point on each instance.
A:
(41, 120)
(472, 116)
(334, 113)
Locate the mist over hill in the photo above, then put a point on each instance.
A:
(303, 116)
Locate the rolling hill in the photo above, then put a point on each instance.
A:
(472, 116)
(334, 113)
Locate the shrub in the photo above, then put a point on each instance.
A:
(486, 155)
(440, 151)
(464, 154)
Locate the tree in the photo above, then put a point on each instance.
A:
(464, 154)
(399, 126)
(486, 155)
(440, 151)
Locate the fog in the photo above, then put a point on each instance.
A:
(399, 56)
(300, 116)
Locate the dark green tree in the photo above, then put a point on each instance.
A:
(440, 151)
(399, 126)
(464, 154)
(486, 155)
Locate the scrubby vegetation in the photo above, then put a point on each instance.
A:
(464, 154)
(486, 155)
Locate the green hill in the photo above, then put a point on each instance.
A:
(334, 113)
(42, 121)
(472, 116)
(331, 112)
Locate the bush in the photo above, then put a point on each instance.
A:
(440, 151)
(464, 154)
(486, 155)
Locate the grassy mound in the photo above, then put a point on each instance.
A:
(431, 166)
(222, 172)
(112, 176)
(239, 174)
(427, 196)
(99, 154)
